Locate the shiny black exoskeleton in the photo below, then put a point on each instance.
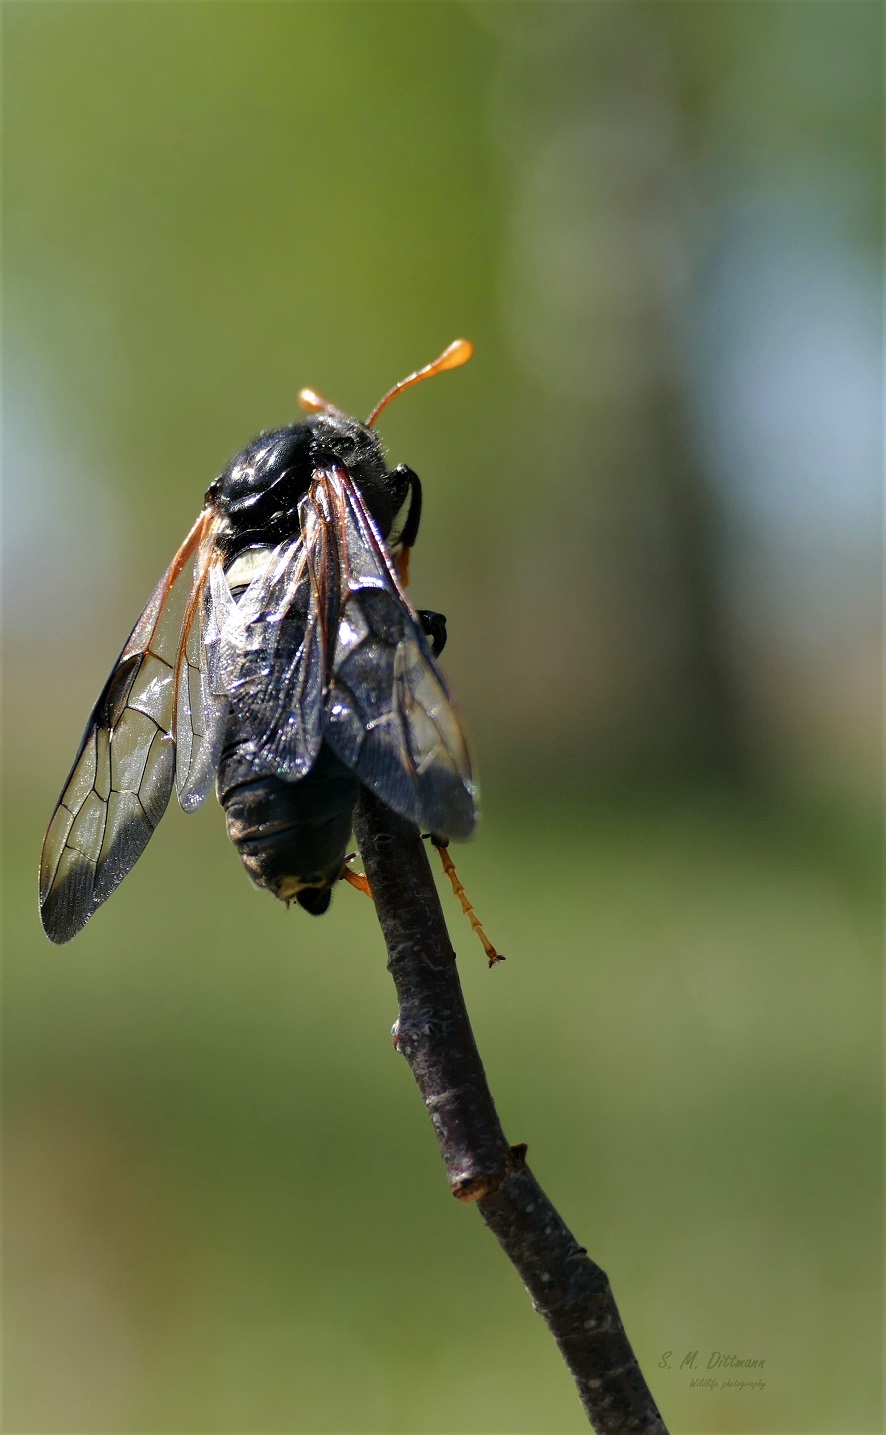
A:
(292, 836)
(279, 660)
(259, 492)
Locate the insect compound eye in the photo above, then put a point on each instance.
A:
(405, 490)
(399, 483)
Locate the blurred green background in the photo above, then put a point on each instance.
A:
(652, 519)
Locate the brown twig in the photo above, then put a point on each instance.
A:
(434, 1033)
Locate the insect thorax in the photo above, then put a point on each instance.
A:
(259, 492)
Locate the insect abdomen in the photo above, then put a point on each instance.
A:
(292, 836)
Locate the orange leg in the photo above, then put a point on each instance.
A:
(356, 879)
(401, 563)
(458, 889)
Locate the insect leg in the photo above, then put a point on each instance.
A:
(449, 868)
(433, 625)
(355, 879)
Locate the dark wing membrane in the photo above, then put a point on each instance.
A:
(273, 660)
(390, 715)
(325, 644)
(202, 705)
(123, 773)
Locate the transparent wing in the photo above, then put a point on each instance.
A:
(324, 644)
(124, 770)
(202, 705)
(390, 716)
(273, 659)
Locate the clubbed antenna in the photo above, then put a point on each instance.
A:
(458, 353)
(314, 403)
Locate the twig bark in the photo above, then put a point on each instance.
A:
(434, 1033)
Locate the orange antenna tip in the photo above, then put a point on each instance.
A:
(456, 354)
(314, 403)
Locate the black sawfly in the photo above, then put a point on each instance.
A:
(280, 659)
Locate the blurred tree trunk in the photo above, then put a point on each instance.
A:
(619, 546)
